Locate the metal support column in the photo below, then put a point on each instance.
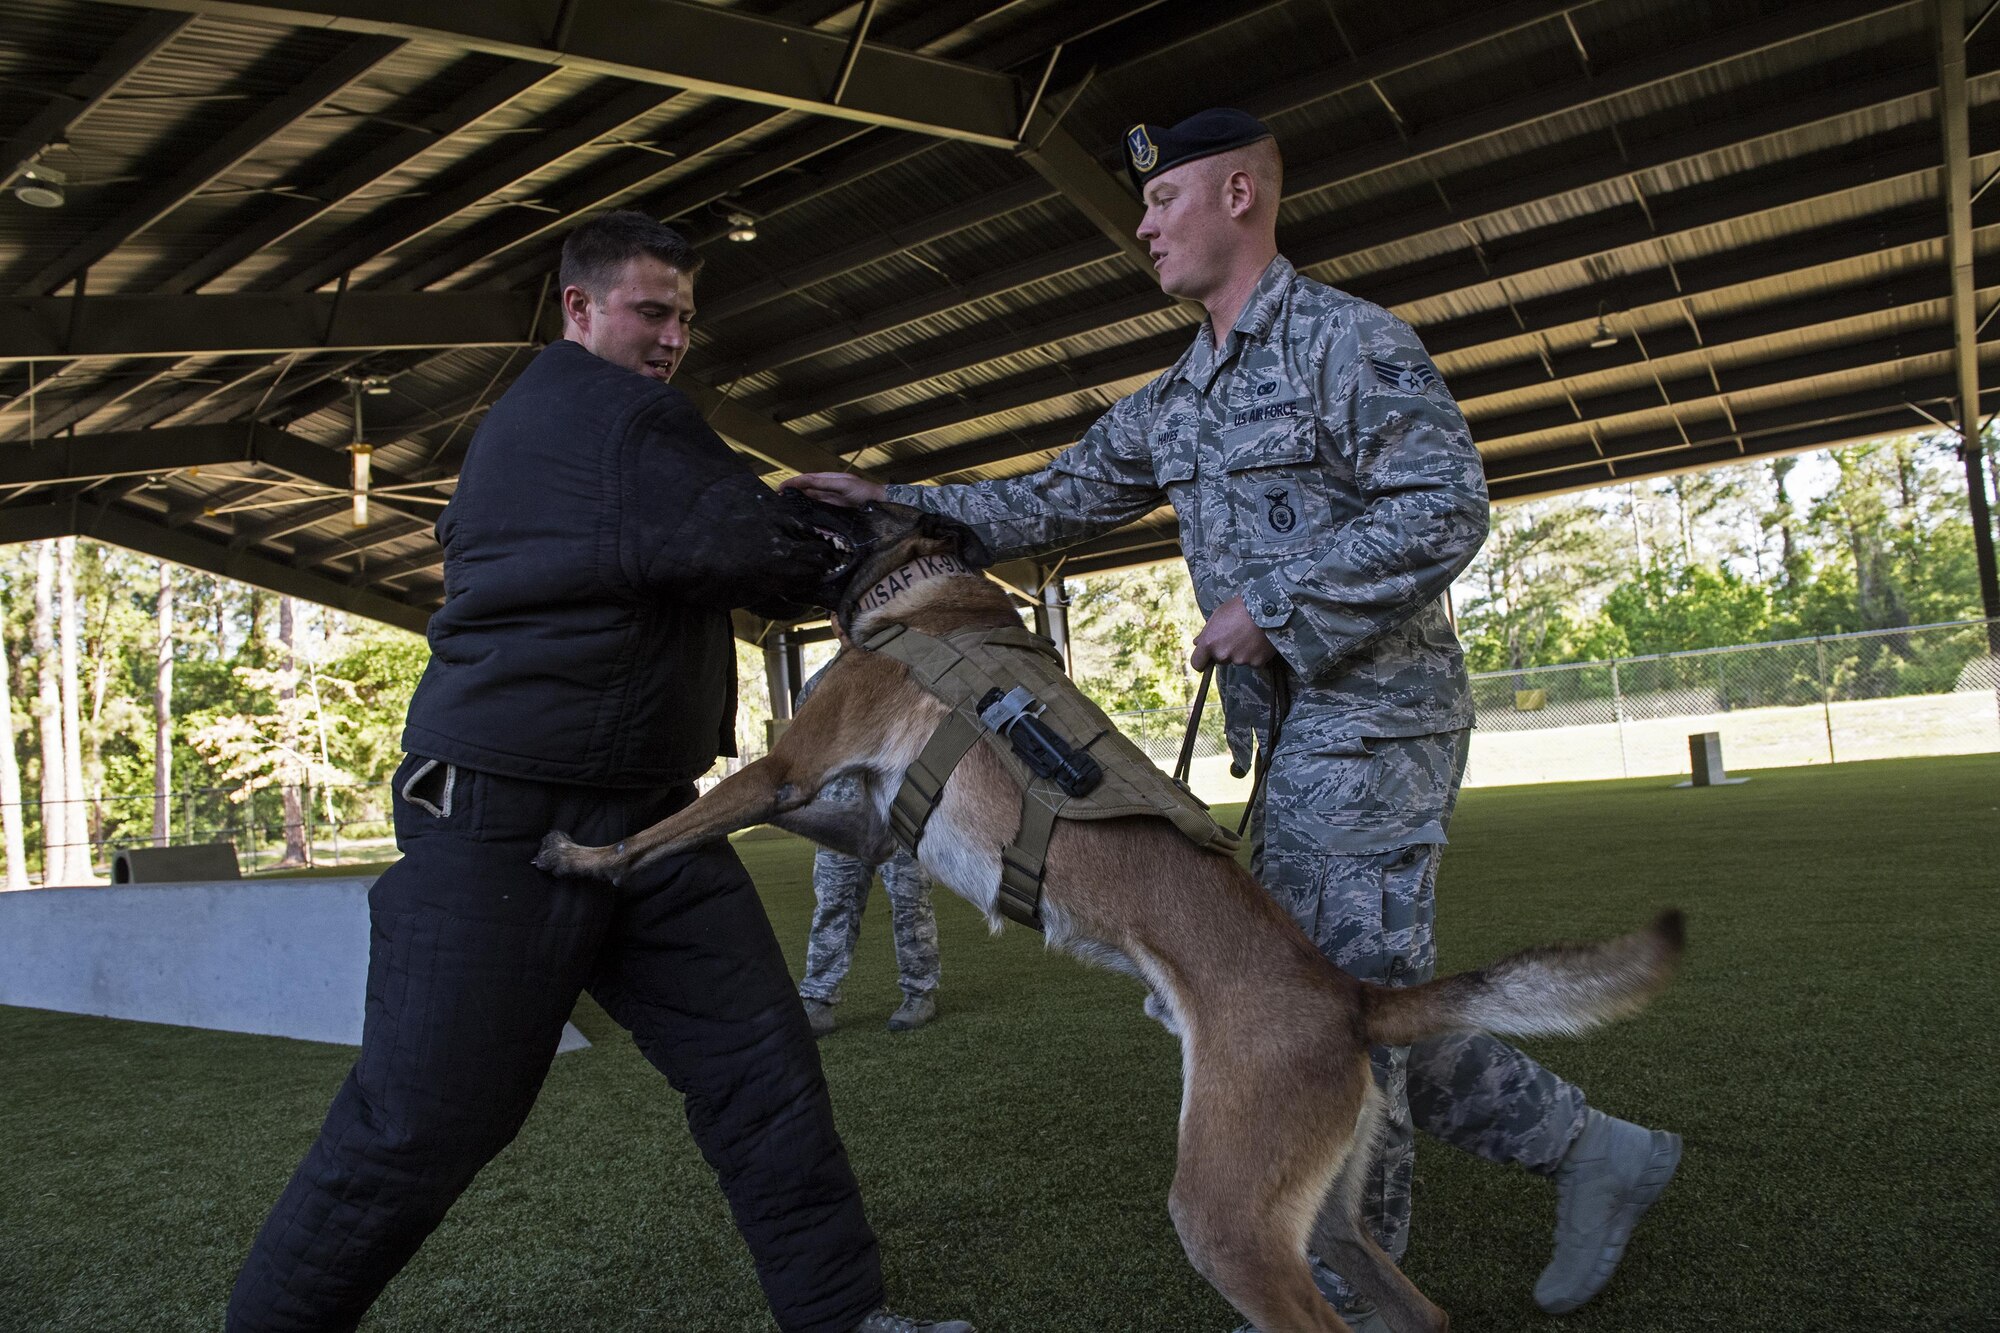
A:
(778, 675)
(1954, 121)
(1052, 618)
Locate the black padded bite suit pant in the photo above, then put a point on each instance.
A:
(475, 960)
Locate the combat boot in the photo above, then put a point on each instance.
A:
(913, 1013)
(819, 1017)
(884, 1322)
(1606, 1182)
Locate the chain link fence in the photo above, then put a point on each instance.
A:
(1879, 694)
(336, 825)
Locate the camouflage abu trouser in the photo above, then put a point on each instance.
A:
(840, 886)
(1349, 841)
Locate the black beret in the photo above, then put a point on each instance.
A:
(1152, 149)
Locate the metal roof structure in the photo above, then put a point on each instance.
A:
(1637, 236)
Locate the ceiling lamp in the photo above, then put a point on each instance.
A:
(1604, 337)
(742, 227)
(41, 186)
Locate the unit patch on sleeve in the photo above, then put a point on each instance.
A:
(1405, 379)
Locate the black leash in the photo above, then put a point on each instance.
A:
(1280, 702)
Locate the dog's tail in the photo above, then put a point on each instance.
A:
(1551, 990)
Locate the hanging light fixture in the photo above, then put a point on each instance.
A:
(361, 454)
(742, 227)
(1604, 337)
(41, 186)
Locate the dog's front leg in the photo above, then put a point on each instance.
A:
(751, 795)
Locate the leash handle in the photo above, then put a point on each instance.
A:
(1185, 764)
(1281, 704)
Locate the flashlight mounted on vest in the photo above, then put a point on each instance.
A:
(1017, 716)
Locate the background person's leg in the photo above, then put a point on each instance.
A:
(475, 962)
(840, 895)
(694, 971)
(914, 922)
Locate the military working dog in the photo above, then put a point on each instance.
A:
(1260, 1177)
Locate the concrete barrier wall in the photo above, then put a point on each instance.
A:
(280, 957)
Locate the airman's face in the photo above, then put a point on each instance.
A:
(1186, 229)
(640, 321)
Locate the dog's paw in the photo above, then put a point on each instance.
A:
(562, 856)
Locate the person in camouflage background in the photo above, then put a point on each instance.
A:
(840, 895)
(1328, 492)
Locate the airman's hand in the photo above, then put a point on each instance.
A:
(836, 488)
(1231, 638)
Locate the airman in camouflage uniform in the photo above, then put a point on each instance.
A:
(840, 893)
(1322, 474)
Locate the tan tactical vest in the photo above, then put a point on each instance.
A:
(960, 669)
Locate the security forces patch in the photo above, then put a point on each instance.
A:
(1279, 512)
(1404, 379)
(1140, 145)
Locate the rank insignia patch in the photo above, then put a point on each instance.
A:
(1407, 379)
(1142, 149)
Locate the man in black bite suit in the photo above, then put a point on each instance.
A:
(581, 677)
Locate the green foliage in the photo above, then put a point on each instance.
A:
(1131, 633)
(1665, 610)
(1871, 536)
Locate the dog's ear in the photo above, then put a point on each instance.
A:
(972, 552)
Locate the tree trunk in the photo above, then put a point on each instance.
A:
(163, 712)
(295, 824)
(48, 714)
(10, 783)
(72, 720)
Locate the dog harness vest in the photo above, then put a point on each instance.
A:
(960, 669)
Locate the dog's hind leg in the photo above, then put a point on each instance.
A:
(785, 780)
(1345, 1246)
(751, 795)
(1243, 1199)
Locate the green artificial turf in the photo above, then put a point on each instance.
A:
(1828, 1052)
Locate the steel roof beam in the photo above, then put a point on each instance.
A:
(759, 435)
(600, 187)
(1798, 23)
(1792, 25)
(88, 91)
(982, 287)
(685, 196)
(1341, 241)
(212, 162)
(119, 528)
(357, 173)
(682, 45)
(258, 324)
(1152, 354)
(1615, 454)
(1909, 288)
(145, 453)
(1676, 392)
(885, 241)
(480, 179)
(1427, 281)
(1898, 420)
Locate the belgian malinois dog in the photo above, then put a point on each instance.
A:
(1261, 1176)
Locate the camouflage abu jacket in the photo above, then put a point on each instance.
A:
(1320, 468)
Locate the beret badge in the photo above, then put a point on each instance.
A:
(1144, 153)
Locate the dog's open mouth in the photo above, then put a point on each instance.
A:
(849, 552)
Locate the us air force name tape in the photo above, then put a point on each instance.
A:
(1152, 149)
